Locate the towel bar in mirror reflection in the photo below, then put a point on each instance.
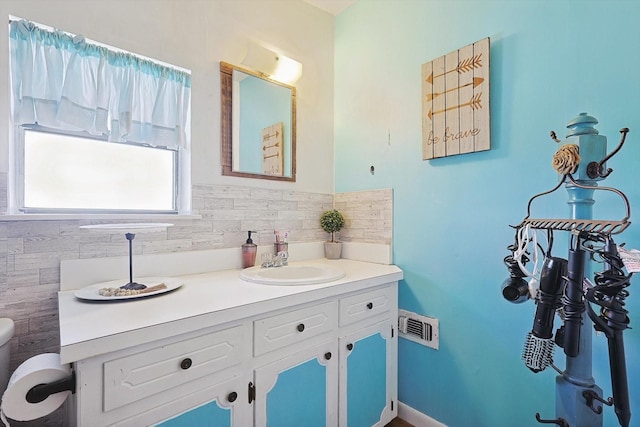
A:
(258, 125)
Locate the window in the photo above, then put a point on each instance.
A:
(63, 172)
(96, 129)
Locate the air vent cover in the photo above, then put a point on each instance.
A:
(417, 328)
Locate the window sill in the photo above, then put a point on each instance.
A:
(89, 217)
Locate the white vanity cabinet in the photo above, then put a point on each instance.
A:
(323, 357)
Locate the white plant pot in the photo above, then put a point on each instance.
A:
(333, 250)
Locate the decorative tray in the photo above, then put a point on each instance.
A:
(92, 292)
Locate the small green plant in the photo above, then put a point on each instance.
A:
(332, 221)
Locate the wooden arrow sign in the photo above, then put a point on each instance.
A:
(455, 102)
(272, 149)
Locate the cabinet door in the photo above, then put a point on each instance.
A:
(368, 376)
(298, 390)
(228, 408)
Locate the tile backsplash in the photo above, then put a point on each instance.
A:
(368, 216)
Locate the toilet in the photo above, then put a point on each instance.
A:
(6, 333)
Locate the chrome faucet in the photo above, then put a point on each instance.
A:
(282, 254)
(279, 259)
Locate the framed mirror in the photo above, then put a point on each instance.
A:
(258, 127)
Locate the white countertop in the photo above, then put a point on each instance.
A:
(91, 328)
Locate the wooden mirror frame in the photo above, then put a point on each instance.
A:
(226, 124)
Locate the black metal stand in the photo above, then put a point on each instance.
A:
(131, 285)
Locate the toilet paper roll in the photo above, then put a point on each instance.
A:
(41, 369)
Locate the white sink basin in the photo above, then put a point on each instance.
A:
(291, 275)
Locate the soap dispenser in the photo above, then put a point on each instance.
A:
(249, 250)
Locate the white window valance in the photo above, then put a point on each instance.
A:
(65, 82)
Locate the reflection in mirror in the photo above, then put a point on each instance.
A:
(258, 125)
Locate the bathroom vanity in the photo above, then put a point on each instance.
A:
(221, 351)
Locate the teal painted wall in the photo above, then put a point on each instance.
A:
(550, 60)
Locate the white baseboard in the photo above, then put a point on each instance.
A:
(416, 418)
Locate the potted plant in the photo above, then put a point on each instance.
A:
(332, 221)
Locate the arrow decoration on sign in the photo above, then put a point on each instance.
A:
(266, 147)
(474, 103)
(476, 82)
(463, 66)
(266, 137)
(273, 155)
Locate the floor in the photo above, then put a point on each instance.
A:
(397, 422)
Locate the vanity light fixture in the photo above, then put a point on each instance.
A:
(288, 71)
(275, 65)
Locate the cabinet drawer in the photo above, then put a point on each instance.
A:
(365, 305)
(288, 328)
(138, 376)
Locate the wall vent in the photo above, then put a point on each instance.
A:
(421, 329)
